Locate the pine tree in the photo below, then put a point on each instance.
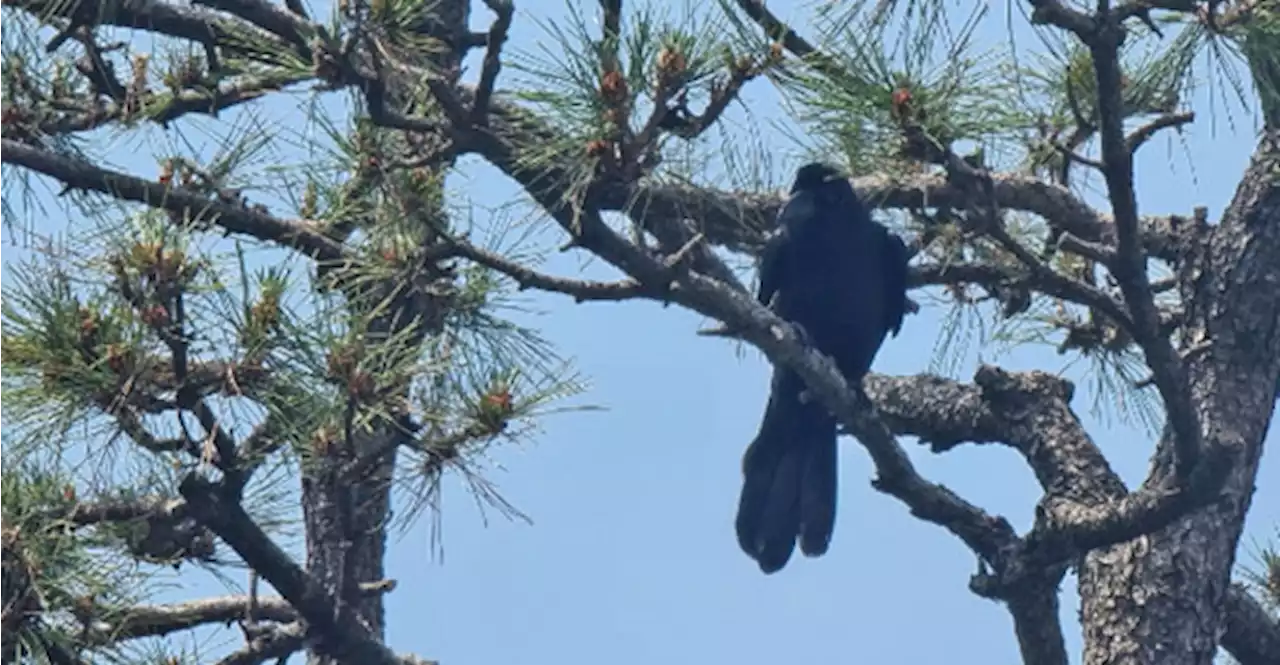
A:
(244, 342)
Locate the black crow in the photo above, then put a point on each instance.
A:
(841, 279)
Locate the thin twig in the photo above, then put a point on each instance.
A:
(1144, 133)
(504, 10)
(581, 290)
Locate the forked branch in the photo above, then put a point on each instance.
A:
(1103, 34)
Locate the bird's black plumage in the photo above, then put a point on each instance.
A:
(841, 279)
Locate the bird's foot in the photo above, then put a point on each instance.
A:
(1196, 348)
(801, 333)
(805, 395)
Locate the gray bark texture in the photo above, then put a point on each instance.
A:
(1159, 597)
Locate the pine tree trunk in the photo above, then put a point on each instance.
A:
(1158, 599)
(346, 519)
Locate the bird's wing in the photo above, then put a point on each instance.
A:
(895, 281)
(773, 258)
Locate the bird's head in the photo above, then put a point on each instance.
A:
(814, 175)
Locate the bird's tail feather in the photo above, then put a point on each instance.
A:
(789, 480)
(818, 493)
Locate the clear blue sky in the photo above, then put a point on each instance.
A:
(631, 558)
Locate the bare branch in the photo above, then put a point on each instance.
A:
(1164, 285)
(1085, 527)
(1044, 281)
(1144, 133)
(1073, 290)
(1086, 506)
(1093, 251)
(504, 10)
(686, 125)
(1076, 157)
(580, 289)
(1142, 8)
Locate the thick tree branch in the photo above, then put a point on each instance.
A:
(273, 644)
(1252, 635)
(1035, 611)
(341, 636)
(287, 25)
(1029, 411)
(1054, 12)
(1085, 506)
(164, 18)
(158, 620)
(121, 510)
(1086, 527)
(740, 220)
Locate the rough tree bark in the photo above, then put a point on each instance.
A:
(1159, 597)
